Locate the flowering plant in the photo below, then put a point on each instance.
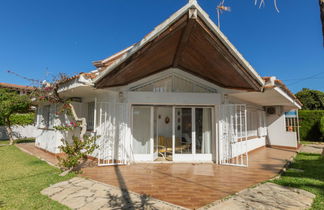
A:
(68, 127)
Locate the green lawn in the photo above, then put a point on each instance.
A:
(22, 177)
(311, 179)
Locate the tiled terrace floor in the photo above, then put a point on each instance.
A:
(193, 185)
(185, 184)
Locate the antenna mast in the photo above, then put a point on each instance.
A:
(220, 8)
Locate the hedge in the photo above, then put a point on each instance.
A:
(310, 125)
(21, 119)
(322, 126)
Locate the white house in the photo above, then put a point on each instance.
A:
(183, 93)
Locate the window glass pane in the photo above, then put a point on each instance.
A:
(203, 130)
(46, 115)
(141, 129)
(90, 118)
(183, 131)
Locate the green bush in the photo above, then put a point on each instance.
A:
(310, 121)
(21, 119)
(76, 152)
(322, 127)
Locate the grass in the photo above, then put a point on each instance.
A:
(22, 177)
(28, 140)
(310, 179)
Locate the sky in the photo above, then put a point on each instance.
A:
(41, 38)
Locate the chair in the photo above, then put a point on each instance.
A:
(164, 146)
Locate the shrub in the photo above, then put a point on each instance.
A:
(322, 127)
(21, 119)
(76, 152)
(310, 124)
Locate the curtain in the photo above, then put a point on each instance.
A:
(141, 130)
(206, 128)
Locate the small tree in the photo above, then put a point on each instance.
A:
(81, 145)
(311, 99)
(11, 103)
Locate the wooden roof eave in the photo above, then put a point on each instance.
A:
(194, 10)
(156, 32)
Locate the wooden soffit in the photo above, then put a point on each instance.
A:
(187, 44)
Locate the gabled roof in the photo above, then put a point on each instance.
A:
(188, 40)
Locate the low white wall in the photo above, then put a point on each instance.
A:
(50, 139)
(20, 132)
(252, 144)
(277, 134)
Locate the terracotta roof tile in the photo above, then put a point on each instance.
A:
(14, 86)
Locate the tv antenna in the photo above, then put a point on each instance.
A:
(220, 9)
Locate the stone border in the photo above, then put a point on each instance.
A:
(81, 193)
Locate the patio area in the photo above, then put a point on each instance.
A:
(193, 185)
(186, 184)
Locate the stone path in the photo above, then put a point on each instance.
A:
(266, 196)
(79, 193)
(312, 148)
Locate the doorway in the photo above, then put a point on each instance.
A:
(172, 133)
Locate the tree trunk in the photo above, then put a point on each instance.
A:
(9, 131)
(82, 120)
(321, 4)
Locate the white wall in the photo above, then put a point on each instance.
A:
(277, 134)
(20, 132)
(252, 144)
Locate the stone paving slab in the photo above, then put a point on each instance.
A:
(266, 196)
(84, 194)
(312, 148)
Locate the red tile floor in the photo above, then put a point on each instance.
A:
(190, 185)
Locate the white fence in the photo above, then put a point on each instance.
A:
(113, 131)
(233, 135)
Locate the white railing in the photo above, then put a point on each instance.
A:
(112, 130)
(233, 135)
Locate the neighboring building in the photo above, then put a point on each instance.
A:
(183, 93)
(21, 89)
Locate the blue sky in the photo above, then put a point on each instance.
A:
(39, 38)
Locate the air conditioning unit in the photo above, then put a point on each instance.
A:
(270, 110)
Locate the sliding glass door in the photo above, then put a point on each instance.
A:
(183, 131)
(172, 133)
(192, 134)
(203, 130)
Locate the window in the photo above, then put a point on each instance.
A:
(262, 131)
(46, 116)
(174, 83)
(291, 121)
(90, 117)
(252, 123)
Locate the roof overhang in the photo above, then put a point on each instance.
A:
(190, 41)
(270, 97)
